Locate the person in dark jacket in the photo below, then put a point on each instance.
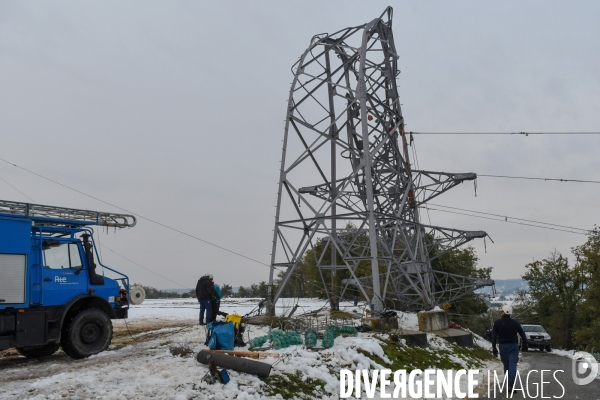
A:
(505, 331)
(205, 292)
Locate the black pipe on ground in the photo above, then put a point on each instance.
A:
(235, 363)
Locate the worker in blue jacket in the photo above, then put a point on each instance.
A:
(216, 302)
(505, 331)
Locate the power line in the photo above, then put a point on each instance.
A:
(16, 189)
(504, 133)
(141, 266)
(150, 220)
(506, 217)
(137, 215)
(538, 179)
(510, 222)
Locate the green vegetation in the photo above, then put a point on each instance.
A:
(153, 293)
(410, 358)
(469, 311)
(565, 298)
(255, 290)
(402, 357)
(292, 386)
(307, 281)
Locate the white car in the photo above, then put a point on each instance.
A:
(537, 337)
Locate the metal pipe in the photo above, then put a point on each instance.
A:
(235, 363)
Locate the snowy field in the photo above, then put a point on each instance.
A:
(140, 364)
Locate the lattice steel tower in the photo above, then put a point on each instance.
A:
(345, 159)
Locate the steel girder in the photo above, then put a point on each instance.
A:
(345, 159)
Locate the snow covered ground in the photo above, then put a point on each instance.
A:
(140, 363)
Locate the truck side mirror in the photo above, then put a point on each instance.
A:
(46, 244)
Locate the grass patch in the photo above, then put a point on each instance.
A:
(181, 350)
(410, 358)
(477, 354)
(291, 386)
(129, 333)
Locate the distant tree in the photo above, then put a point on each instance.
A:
(263, 290)
(470, 310)
(226, 290)
(253, 292)
(153, 293)
(307, 280)
(242, 292)
(191, 294)
(556, 290)
(588, 312)
(524, 308)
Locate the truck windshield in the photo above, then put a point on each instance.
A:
(64, 256)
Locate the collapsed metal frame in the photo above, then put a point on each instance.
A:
(345, 160)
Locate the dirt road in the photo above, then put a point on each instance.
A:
(132, 346)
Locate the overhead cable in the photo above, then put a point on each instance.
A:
(5, 181)
(150, 220)
(511, 222)
(141, 266)
(137, 215)
(538, 179)
(506, 217)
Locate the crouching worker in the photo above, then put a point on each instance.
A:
(505, 331)
(205, 292)
(216, 303)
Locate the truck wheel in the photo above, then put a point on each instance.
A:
(88, 332)
(38, 351)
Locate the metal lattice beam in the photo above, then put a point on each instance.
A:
(345, 159)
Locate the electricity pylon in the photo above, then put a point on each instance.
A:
(346, 160)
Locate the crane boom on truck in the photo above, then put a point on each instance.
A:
(51, 295)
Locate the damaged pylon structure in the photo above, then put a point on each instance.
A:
(346, 178)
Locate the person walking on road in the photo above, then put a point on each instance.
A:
(505, 331)
(205, 292)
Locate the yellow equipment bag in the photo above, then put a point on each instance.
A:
(236, 319)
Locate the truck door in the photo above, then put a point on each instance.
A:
(63, 275)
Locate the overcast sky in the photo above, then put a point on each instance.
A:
(175, 111)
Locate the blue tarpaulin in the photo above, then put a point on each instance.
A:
(220, 336)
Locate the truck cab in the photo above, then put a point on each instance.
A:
(51, 292)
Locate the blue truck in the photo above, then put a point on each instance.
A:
(51, 292)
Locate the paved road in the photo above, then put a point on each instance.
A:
(535, 360)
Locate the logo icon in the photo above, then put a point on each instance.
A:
(585, 368)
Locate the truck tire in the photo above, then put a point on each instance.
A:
(38, 351)
(86, 333)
